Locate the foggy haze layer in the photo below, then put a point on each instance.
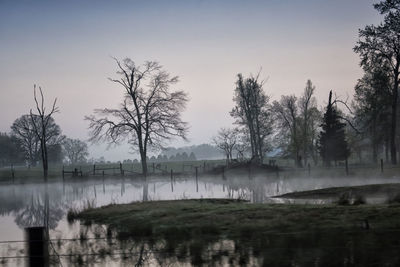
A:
(66, 47)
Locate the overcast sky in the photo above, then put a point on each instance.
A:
(66, 47)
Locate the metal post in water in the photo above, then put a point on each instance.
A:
(37, 247)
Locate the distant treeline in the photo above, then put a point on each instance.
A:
(203, 151)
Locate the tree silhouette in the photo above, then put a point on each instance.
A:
(149, 114)
(332, 141)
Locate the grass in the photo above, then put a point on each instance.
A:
(23, 174)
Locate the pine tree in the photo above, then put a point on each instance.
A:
(332, 141)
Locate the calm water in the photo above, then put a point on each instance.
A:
(23, 205)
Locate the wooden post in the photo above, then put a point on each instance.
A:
(120, 169)
(63, 173)
(197, 181)
(347, 167)
(103, 173)
(94, 169)
(381, 165)
(37, 246)
(204, 166)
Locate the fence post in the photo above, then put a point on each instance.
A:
(120, 169)
(204, 166)
(94, 169)
(347, 167)
(381, 165)
(63, 173)
(37, 246)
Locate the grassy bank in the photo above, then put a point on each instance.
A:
(261, 234)
(232, 218)
(372, 190)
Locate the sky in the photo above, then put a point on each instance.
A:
(66, 47)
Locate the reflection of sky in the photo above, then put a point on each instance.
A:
(65, 47)
(30, 197)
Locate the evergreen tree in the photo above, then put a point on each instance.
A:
(332, 141)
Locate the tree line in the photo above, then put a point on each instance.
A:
(302, 131)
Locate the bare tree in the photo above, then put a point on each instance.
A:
(287, 120)
(310, 119)
(252, 112)
(148, 116)
(226, 140)
(41, 125)
(75, 150)
(24, 130)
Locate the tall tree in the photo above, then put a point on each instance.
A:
(41, 124)
(252, 111)
(76, 151)
(332, 141)
(381, 43)
(310, 118)
(372, 105)
(287, 120)
(149, 114)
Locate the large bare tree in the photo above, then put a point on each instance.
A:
(149, 114)
(252, 112)
(41, 125)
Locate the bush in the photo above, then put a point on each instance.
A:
(359, 200)
(344, 199)
(394, 199)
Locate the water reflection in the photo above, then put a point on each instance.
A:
(27, 205)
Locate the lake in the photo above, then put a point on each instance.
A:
(24, 205)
